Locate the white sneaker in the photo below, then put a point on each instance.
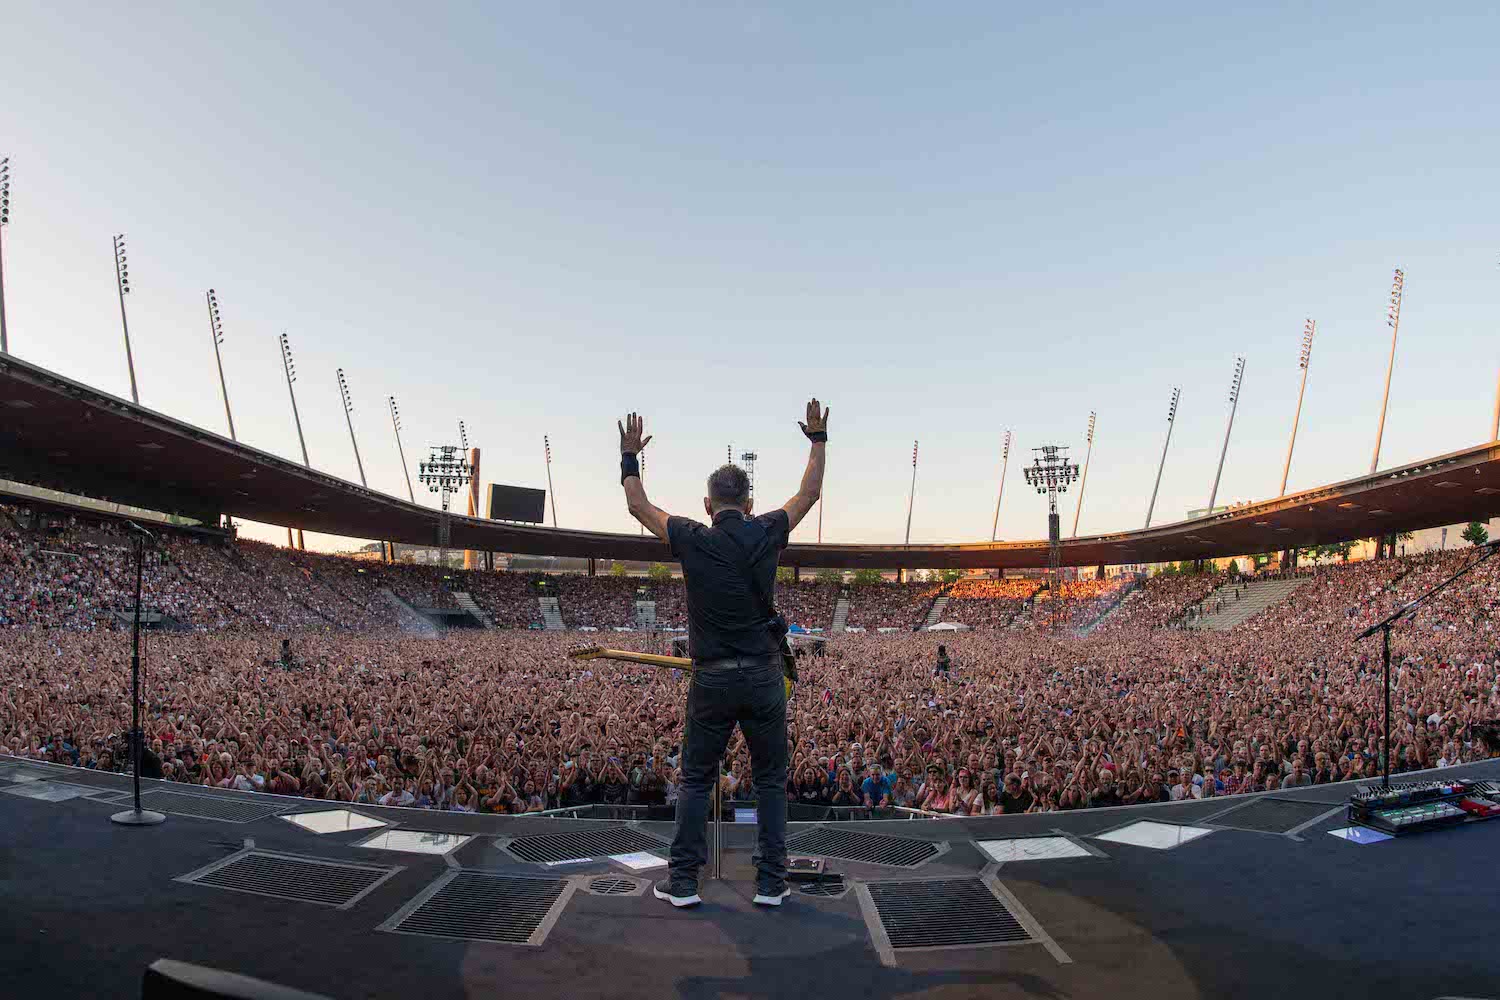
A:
(772, 898)
(680, 897)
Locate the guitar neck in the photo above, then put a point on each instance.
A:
(649, 659)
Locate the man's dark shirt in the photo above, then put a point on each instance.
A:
(1105, 797)
(1016, 803)
(725, 616)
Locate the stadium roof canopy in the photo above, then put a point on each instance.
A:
(58, 433)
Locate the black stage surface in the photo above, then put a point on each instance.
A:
(1267, 904)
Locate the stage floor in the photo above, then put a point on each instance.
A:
(1259, 901)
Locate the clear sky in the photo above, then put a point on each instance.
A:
(943, 220)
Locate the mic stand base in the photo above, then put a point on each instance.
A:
(138, 817)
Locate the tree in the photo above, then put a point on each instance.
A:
(865, 577)
(617, 568)
(1476, 533)
(830, 576)
(950, 575)
(785, 574)
(659, 572)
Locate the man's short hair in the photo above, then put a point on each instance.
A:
(729, 487)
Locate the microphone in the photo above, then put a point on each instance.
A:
(140, 530)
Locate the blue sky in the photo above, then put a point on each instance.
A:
(942, 220)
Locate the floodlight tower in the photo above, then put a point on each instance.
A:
(400, 451)
(216, 330)
(122, 285)
(1304, 360)
(446, 471)
(911, 497)
(4, 222)
(1171, 419)
(1051, 473)
(1234, 402)
(349, 419)
(291, 376)
(1082, 483)
(547, 448)
(1392, 320)
(1004, 465)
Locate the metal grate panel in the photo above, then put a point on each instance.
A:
(225, 810)
(1268, 815)
(831, 887)
(944, 913)
(291, 876)
(481, 906)
(871, 848)
(582, 844)
(614, 885)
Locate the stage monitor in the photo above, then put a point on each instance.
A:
(517, 503)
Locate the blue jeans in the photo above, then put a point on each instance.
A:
(748, 690)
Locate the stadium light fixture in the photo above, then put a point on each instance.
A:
(1171, 419)
(349, 419)
(1392, 320)
(911, 497)
(400, 451)
(1234, 402)
(4, 224)
(1051, 473)
(1083, 483)
(445, 472)
(216, 330)
(547, 448)
(1304, 360)
(122, 285)
(747, 462)
(291, 376)
(1004, 465)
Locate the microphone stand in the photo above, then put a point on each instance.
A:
(1384, 628)
(137, 816)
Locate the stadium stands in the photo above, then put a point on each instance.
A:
(501, 721)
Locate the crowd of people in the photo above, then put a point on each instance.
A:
(502, 721)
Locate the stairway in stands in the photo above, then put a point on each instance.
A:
(645, 614)
(467, 603)
(408, 618)
(1255, 597)
(840, 614)
(552, 619)
(935, 613)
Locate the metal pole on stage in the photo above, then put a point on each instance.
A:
(719, 823)
(1171, 419)
(1392, 320)
(1304, 361)
(1385, 645)
(137, 816)
(1384, 627)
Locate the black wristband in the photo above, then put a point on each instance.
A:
(629, 466)
(816, 437)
